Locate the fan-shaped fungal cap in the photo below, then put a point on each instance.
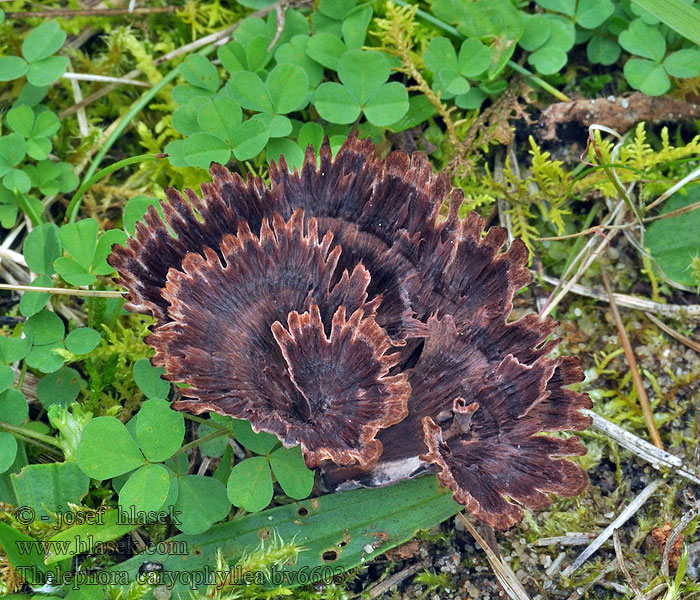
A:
(336, 310)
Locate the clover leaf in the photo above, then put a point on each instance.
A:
(45, 330)
(41, 248)
(326, 49)
(134, 211)
(593, 13)
(149, 381)
(199, 72)
(88, 255)
(82, 340)
(13, 349)
(38, 64)
(159, 430)
(61, 387)
(498, 23)
(146, 489)
(12, 152)
(295, 52)
(201, 502)
(8, 450)
(364, 89)
(450, 71)
(13, 407)
(650, 74)
(602, 50)
(550, 57)
(103, 461)
(52, 177)
(291, 472)
(643, 40)
(249, 485)
(133, 459)
(35, 128)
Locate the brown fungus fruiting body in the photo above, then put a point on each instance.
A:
(335, 309)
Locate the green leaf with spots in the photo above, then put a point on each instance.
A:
(250, 92)
(198, 71)
(201, 502)
(220, 117)
(260, 443)
(291, 472)
(61, 387)
(101, 460)
(339, 530)
(82, 340)
(250, 484)
(159, 430)
(13, 407)
(148, 379)
(249, 139)
(145, 490)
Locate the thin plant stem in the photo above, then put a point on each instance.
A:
(29, 210)
(197, 442)
(64, 291)
(634, 369)
(22, 373)
(89, 12)
(90, 178)
(28, 433)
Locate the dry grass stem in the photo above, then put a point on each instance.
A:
(623, 517)
(656, 457)
(64, 291)
(634, 369)
(675, 311)
(511, 584)
(683, 339)
(384, 586)
(623, 567)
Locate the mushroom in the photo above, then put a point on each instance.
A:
(336, 309)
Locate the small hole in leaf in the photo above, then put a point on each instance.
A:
(264, 533)
(342, 544)
(196, 551)
(303, 511)
(329, 556)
